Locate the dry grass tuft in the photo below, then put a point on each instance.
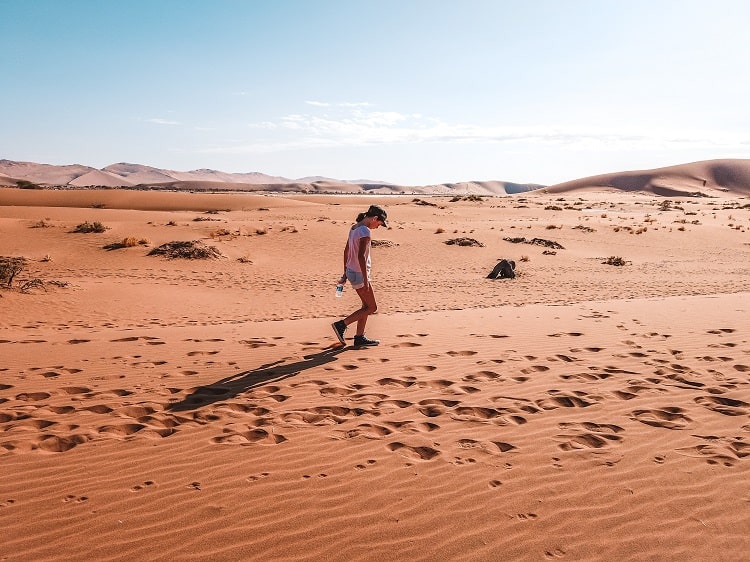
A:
(615, 260)
(87, 227)
(189, 250)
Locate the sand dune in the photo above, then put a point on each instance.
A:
(200, 409)
(707, 178)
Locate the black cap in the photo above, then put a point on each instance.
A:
(377, 211)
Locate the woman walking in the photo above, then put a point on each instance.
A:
(357, 267)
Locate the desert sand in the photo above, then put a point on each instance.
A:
(200, 409)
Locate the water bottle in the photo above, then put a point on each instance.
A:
(340, 287)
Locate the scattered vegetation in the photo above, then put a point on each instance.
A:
(41, 224)
(423, 202)
(382, 244)
(473, 198)
(190, 250)
(584, 228)
(87, 227)
(25, 184)
(129, 242)
(552, 208)
(535, 242)
(615, 260)
(464, 242)
(10, 267)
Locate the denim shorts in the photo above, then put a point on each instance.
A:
(355, 278)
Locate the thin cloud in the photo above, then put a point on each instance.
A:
(355, 125)
(160, 121)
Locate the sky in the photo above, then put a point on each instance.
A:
(414, 92)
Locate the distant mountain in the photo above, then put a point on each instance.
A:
(129, 175)
(706, 178)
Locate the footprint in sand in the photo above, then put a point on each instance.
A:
(32, 396)
(420, 368)
(256, 477)
(467, 353)
(236, 434)
(578, 399)
(669, 417)
(588, 435)
(417, 452)
(482, 376)
(389, 381)
(77, 499)
(489, 447)
(726, 406)
(366, 430)
(726, 451)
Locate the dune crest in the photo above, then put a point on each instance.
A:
(708, 178)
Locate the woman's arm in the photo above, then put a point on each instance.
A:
(364, 248)
(346, 253)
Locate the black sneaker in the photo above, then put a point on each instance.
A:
(339, 328)
(363, 340)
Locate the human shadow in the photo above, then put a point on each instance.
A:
(238, 383)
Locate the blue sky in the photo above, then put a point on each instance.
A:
(408, 91)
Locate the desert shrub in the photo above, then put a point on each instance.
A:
(261, 231)
(25, 184)
(129, 242)
(9, 268)
(219, 232)
(552, 208)
(440, 230)
(615, 260)
(535, 242)
(584, 228)
(171, 223)
(525, 258)
(382, 244)
(41, 224)
(464, 242)
(87, 227)
(190, 250)
(552, 227)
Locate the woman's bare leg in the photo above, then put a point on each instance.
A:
(369, 306)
